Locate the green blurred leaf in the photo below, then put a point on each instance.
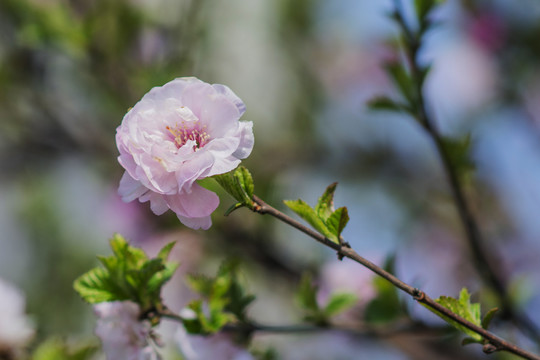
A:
(403, 80)
(458, 153)
(224, 297)
(386, 306)
(307, 294)
(385, 103)
(423, 7)
(468, 340)
(325, 205)
(339, 303)
(488, 317)
(56, 349)
(463, 308)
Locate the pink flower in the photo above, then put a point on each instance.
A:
(183, 131)
(122, 335)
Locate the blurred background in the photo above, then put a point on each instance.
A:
(69, 70)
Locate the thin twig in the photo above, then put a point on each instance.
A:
(484, 265)
(495, 343)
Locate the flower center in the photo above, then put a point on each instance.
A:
(182, 134)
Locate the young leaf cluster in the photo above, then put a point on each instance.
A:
(324, 218)
(239, 184)
(307, 299)
(128, 274)
(467, 310)
(224, 300)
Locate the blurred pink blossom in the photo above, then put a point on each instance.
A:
(346, 277)
(122, 334)
(218, 346)
(15, 328)
(183, 131)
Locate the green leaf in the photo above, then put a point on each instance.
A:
(233, 208)
(468, 340)
(128, 274)
(403, 81)
(307, 294)
(463, 308)
(166, 251)
(56, 349)
(385, 103)
(488, 317)
(246, 180)
(239, 184)
(423, 7)
(307, 213)
(337, 221)
(95, 287)
(325, 205)
(458, 154)
(339, 303)
(224, 296)
(386, 306)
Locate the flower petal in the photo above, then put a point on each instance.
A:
(203, 223)
(231, 96)
(158, 205)
(247, 140)
(198, 203)
(130, 189)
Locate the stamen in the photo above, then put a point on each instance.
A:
(182, 134)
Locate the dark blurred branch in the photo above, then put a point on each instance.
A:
(493, 342)
(483, 260)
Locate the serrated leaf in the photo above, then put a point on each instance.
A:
(337, 221)
(94, 287)
(339, 303)
(127, 275)
(307, 213)
(325, 205)
(463, 308)
(239, 184)
(246, 180)
(488, 317)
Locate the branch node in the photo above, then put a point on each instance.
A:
(489, 348)
(418, 294)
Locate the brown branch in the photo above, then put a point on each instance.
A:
(482, 261)
(494, 343)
